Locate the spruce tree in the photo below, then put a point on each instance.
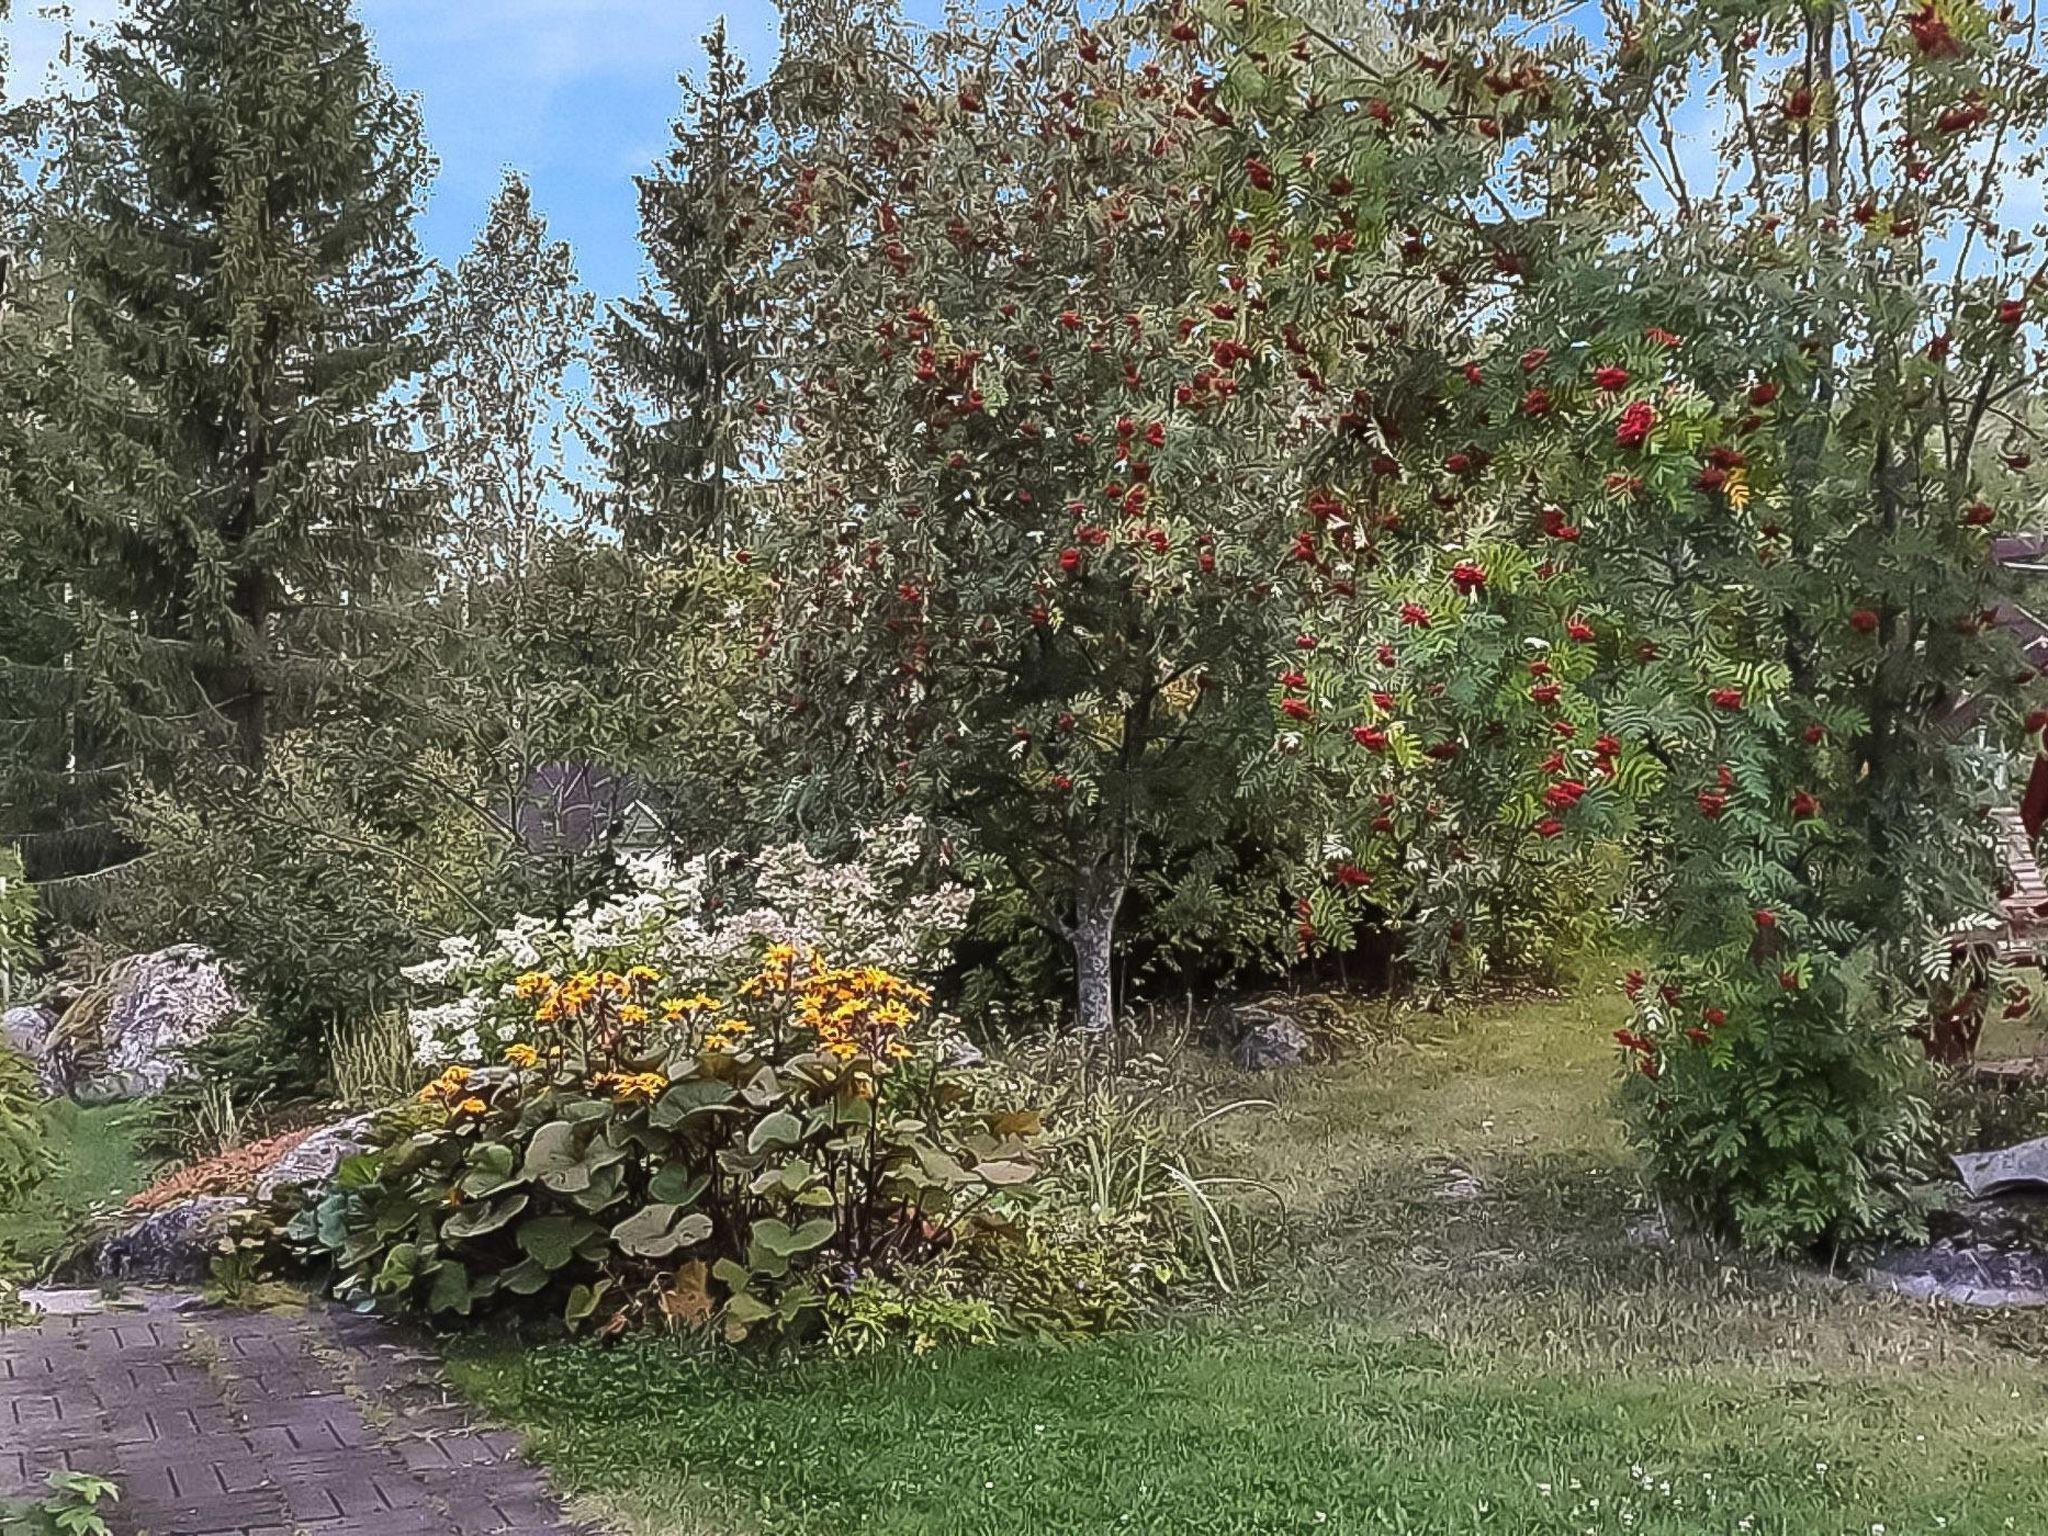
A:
(677, 360)
(245, 274)
(57, 771)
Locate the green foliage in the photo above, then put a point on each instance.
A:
(233, 212)
(313, 884)
(19, 950)
(921, 1311)
(26, 1156)
(1820, 670)
(372, 1062)
(1805, 1120)
(1715, 498)
(237, 1075)
(73, 1507)
(725, 1165)
(98, 1164)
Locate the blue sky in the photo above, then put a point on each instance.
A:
(577, 93)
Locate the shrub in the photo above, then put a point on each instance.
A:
(651, 1151)
(235, 1082)
(310, 903)
(924, 1309)
(25, 1156)
(1130, 1208)
(705, 919)
(1802, 1118)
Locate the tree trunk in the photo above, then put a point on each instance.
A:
(1098, 896)
(244, 688)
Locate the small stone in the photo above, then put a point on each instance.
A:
(57, 1302)
(1267, 1039)
(1650, 1231)
(1461, 1185)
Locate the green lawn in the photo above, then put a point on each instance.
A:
(97, 1163)
(1414, 1362)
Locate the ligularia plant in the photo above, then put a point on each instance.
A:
(704, 920)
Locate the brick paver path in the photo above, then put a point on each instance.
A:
(245, 1424)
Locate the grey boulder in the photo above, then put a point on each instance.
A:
(164, 1003)
(2024, 1166)
(312, 1162)
(174, 1246)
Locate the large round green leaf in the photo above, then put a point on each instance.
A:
(655, 1231)
(550, 1241)
(479, 1217)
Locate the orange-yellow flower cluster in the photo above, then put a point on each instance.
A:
(555, 1002)
(451, 1091)
(725, 1036)
(860, 1010)
(631, 1087)
(783, 969)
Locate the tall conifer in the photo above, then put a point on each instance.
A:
(246, 277)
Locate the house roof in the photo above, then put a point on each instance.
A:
(571, 807)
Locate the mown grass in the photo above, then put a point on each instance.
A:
(1465, 1329)
(99, 1162)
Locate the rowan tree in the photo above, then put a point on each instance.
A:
(1440, 735)
(1052, 429)
(1757, 437)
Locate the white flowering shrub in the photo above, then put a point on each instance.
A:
(704, 920)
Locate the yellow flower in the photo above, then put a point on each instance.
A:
(522, 1056)
(639, 1087)
(532, 984)
(471, 1106)
(632, 1013)
(448, 1087)
(643, 975)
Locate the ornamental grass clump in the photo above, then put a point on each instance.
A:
(655, 1152)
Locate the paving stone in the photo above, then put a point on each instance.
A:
(226, 1424)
